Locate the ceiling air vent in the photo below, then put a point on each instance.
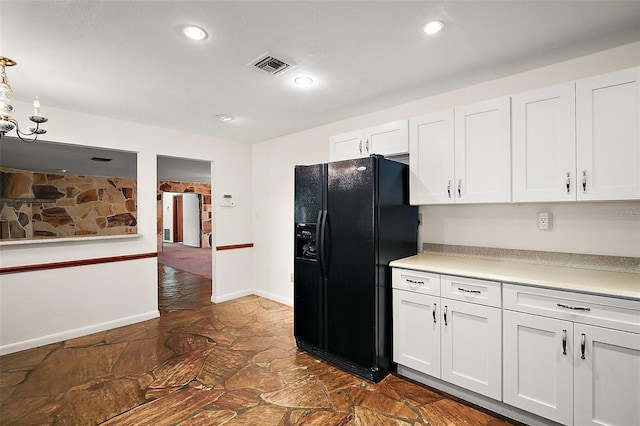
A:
(270, 64)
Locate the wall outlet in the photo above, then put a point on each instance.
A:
(544, 221)
(292, 277)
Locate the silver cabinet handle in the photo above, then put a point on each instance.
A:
(460, 188)
(575, 308)
(564, 342)
(583, 345)
(360, 147)
(449, 189)
(584, 181)
(434, 313)
(445, 315)
(367, 145)
(410, 281)
(568, 182)
(464, 290)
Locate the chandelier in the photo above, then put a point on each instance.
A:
(7, 123)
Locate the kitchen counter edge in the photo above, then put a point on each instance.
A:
(602, 283)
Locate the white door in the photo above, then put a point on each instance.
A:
(431, 158)
(538, 365)
(346, 146)
(607, 380)
(608, 136)
(483, 152)
(471, 337)
(191, 219)
(544, 144)
(387, 139)
(416, 331)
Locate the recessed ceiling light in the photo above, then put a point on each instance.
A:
(194, 33)
(433, 27)
(303, 81)
(225, 117)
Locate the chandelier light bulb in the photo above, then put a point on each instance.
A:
(8, 123)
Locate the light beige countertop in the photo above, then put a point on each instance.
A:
(617, 284)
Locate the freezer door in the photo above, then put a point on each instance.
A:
(308, 299)
(308, 189)
(350, 251)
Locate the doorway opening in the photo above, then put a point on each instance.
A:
(184, 225)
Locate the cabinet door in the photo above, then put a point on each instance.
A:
(544, 140)
(387, 139)
(416, 331)
(608, 129)
(471, 347)
(538, 369)
(483, 152)
(607, 380)
(346, 146)
(431, 158)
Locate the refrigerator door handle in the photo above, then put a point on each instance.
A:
(322, 225)
(318, 241)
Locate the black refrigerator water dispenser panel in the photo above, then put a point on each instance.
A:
(306, 241)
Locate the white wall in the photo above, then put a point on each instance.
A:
(229, 175)
(596, 228)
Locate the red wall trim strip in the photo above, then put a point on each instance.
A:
(234, 246)
(71, 263)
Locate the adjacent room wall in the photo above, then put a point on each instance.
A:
(595, 228)
(41, 307)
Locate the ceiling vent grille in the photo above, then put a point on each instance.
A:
(271, 65)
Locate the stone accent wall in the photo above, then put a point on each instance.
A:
(43, 205)
(204, 189)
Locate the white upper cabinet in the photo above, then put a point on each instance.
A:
(608, 129)
(544, 144)
(385, 139)
(431, 160)
(483, 152)
(462, 155)
(347, 145)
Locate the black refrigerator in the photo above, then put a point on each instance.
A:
(352, 218)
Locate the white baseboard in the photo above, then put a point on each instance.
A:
(231, 296)
(76, 332)
(275, 298)
(249, 292)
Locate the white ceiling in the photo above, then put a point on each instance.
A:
(128, 59)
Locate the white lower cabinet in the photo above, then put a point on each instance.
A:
(470, 341)
(538, 354)
(416, 338)
(607, 379)
(455, 338)
(538, 365)
(572, 358)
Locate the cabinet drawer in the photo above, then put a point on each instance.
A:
(415, 281)
(471, 290)
(611, 312)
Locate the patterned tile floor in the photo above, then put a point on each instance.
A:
(232, 363)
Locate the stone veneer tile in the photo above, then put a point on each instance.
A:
(168, 409)
(306, 393)
(107, 398)
(66, 368)
(178, 371)
(252, 377)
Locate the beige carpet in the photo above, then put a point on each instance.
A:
(190, 259)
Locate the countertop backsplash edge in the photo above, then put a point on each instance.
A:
(571, 260)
